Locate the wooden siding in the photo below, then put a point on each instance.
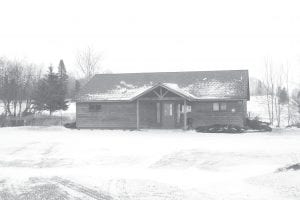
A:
(124, 114)
(202, 114)
(112, 115)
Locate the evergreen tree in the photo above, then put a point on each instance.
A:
(40, 95)
(52, 101)
(77, 86)
(62, 72)
(51, 91)
(63, 85)
(283, 96)
(259, 89)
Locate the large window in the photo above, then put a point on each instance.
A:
(216, 107)
(168, 109)
(94, 107)
(219, 106)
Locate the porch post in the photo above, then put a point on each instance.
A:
(137, 114)
(184, 114)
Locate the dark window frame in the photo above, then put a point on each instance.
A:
(95, 107)
(220, 106)
(224, 103)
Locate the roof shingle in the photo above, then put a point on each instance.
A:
(198, 85)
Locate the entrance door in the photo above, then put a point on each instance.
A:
(168, 120)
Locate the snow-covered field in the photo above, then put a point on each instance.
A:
(55, 163)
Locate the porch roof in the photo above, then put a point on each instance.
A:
(199, 85)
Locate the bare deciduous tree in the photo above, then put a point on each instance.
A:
(88, 62)
(17, 82)
(277, 92)
(270, 88)
(289, 96)
(277, 100)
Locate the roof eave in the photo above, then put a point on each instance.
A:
(221, 99)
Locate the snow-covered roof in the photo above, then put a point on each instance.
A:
(118, 93)
(197, 85)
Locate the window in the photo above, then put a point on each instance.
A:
(168, 109)
(171, 110)
(223, 107)
(216, 107)
(188, 108)
(94, 107)
(219, 107)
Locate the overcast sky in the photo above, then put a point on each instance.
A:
(138, 36)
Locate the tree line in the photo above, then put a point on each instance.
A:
(24, 90)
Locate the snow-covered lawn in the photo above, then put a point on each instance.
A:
(57, 163)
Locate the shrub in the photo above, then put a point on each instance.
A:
(255, 124)
(70, 125)
(220, 128)
(290, 167)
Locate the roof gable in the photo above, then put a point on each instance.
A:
(196, 85)
(166, 87)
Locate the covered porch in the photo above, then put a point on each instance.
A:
(162, 107)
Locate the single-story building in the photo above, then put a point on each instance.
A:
(166, 100)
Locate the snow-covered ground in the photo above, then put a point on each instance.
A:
(56, 163)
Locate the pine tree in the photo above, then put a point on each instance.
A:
(52, 101)
(40, 95)
(50, 93)
(62, 72)
(77, 86)
(63, 85)
(283, 96)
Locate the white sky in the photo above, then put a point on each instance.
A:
(137, 36)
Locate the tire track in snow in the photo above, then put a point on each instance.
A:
(81, 189)
(49, 150)
(17, 150)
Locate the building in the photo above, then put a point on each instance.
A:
(165, 100)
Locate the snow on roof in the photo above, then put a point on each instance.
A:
(229, 84)
(214, 89)
(206, 90)
(184, 91)
(119, 93)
